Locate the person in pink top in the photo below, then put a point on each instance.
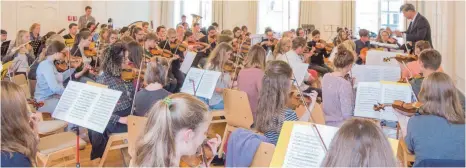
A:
(250, 77)
(413, 67)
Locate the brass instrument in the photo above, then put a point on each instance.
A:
(196, 18)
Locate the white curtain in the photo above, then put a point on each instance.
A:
(305, 12)
(348, 14)
(218, 13)
(252, 19)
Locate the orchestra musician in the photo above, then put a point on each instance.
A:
(86, 18)
(21, 53)
(34, 35)
(384, 37)
(113, 37)
(301, 33)
(245, 32)
(210, 39)
(180, 32)
(111, 77)
(150, 44)
(50, 83)
(362, 138)
(430, 61)
(145, 27)
(413, 68)
(182, 23)
(363, 42)
(269, 41)
(138, 35)
(176, 127)
(337, 91)
(161, 33)
(317, 59)
(172, 44)
(341, 36)
(437, 135)
(5, 42)
(283, 46)
(69, 38)
(197, 31)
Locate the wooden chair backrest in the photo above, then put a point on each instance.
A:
(317, 113)
(136, 126)
(263, 156)
(237, 110)
(22, 82)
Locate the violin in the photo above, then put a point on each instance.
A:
(405, 80)
(402, 58)
(410, 108)
(35, 104)
(198, 45)
(363, 54)
(156, 51)
(195, 160)
(329, 47)
(212, 39)
(167, 53)
(62, 65)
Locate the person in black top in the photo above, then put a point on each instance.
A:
(5, 43)
(172, 44)
(317, 59)
(269, 41)
(211, 38)
(363, 42)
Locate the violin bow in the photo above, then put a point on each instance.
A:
(203, 154)
(137, 84)
(301, 96)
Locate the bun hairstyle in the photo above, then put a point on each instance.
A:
(343, 57)
(156, 146)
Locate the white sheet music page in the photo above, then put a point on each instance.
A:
(299, 71)
(305, 147)
(188, 61)
(207, 84)
(375, 73)
(367, 94)
(194, 75)
(87, 106)
(392, 91)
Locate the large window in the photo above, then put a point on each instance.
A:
(199, 7)
(377, 14)
(280, 15)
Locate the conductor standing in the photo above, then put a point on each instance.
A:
(418, 29)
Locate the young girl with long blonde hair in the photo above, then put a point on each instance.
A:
(176, 127)
(19, 128)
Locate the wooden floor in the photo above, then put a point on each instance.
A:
(114, 159)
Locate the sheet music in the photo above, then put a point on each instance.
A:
(375, 73)
(304, 148)
(403, 121)
(187, 62)
(368, 94)
(87, 106)
(299, 71)
(375, 57)
(207, 84)
(390, 93)
(194, 74)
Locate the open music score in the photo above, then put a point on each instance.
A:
(370, 93)
(375, 73)
(188, 61)
(297, 145)
(204, 81)
(87, 105)
(375, 57)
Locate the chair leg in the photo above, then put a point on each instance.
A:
(124, 152)
(224, 140)
(107, 149)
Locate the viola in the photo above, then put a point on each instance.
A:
(35, 104)
(402, 58)
(410, 108)
(206, 154)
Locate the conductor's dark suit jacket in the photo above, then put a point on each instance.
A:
(419, 29)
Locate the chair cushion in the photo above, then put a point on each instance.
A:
(60, 141)
(46, 127)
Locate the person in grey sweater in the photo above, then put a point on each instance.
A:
(439, 132)
(86, 18)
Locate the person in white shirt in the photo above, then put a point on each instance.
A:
(296, 54)
(283, 46)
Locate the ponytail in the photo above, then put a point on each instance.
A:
(156, 146)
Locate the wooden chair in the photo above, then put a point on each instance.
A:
(23, 83)
(403, 153)
(60, 146)
(237, 112)
(263, 155)
(115, 141)
(317, 114)
(136, 125)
